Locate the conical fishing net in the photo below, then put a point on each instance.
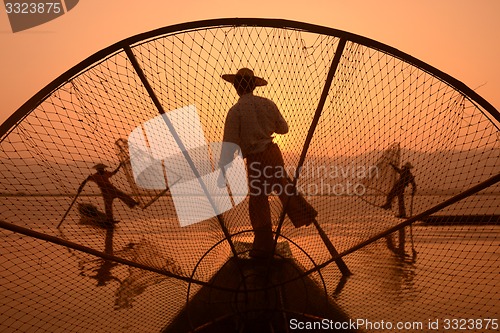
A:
(357, 111)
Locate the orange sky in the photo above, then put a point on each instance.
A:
(459, 37)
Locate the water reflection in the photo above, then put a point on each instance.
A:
(397, 244)
(400, 280)
(400, 266)
(132, 281)
(103, 272)
(383, 273)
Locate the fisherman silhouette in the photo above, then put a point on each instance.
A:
(109, 191)
(405, 178)
(250, 124)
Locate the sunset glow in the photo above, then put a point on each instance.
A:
(141, 190)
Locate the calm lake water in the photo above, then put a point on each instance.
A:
(47, 287)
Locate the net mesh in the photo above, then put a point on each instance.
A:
(382, 176)
(379, 107)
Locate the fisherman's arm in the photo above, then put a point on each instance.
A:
(230, 139)
(398, 170)
(280, 125)
(112, 173)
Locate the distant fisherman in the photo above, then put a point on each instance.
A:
(398, 190)
(109, 191)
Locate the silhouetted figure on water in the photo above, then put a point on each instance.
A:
(250, 124)
(109, 191)
(398, 190)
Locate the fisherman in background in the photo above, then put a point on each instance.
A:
(250, 124)
(398, 190)
(109, 191)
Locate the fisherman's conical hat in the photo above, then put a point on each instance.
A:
(408, 165)
(100, 166)
(245, 72)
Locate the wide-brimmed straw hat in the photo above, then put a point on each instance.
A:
(408, 165)
(100, 166)
(245, 72)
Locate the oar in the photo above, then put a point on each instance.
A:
(326, 240)
(414, 252)
(339, 261)
(69, 208)
(228, 188)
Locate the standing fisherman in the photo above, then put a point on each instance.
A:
(109, 191)
(398, 190)
(250, 124)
